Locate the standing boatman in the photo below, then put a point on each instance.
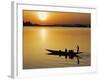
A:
(77, 48)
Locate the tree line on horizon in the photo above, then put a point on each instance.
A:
(28, 23)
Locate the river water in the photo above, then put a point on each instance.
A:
(37, 39)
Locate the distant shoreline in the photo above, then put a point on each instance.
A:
(56, 25)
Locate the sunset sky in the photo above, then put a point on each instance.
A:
(50, 18)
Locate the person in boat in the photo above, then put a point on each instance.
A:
(77, 48)
(59, 53)
(65, 53)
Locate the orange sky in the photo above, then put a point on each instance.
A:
(57, 17)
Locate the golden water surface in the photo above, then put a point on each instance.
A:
(37, 39)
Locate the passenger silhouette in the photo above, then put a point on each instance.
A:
(65, 50)
(59, 53)
(66, 53)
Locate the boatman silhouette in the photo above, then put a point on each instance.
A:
(77, 48)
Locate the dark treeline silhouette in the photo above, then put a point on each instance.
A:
(28, 23)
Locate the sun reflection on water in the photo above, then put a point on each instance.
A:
(43, 34)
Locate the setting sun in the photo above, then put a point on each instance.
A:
(42, 15)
